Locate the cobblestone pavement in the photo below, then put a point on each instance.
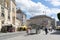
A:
(37, 37)
(6, 36)
(40, 36)
(11, 33)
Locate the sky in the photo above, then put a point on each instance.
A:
(39, 7)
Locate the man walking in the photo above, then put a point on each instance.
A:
(46, 31)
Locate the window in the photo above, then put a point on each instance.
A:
(8, 17)
(2, 9)
(2, 14)
(13, 10)
(2, 22)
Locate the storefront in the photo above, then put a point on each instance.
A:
(7, 28)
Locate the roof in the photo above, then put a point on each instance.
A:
(40, 16)
(19, 11)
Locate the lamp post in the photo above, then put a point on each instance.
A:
(55, 24)
(44, 12)
(44, 20)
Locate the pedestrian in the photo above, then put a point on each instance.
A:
(46, 31)
(51, 28)
(28, 31)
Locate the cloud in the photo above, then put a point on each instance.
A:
(31, 8)
(54, 2)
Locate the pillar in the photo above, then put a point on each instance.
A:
(0, 18)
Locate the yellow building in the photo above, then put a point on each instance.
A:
(7, 13)
(13, 12)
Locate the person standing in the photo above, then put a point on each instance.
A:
(51, 28)
(46, 31)
(28, 30)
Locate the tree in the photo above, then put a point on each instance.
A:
(58, 15)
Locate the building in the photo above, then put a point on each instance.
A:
(21, 16)
(42, 20)
(13, 12)
(7, 13)
(58, 25)
(18, 24)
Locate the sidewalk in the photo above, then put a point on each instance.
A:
(40, 36)
(9, 33)
(49, 32)
(37, 37)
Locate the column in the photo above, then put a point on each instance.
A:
(0, 19)
(6, 15)
(11, 11)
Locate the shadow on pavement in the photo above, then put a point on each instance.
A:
(32, 33)
(56, 33)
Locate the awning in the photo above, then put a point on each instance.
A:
(6, 24)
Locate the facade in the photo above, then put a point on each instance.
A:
(42, 20)
(21, 16)
(13, 12)
(18, 23)
(7, 12)
(58, 25)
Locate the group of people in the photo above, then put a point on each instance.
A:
(45, 29)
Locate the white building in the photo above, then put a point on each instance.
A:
(21, 16)
(42, 21)
(7, 13)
